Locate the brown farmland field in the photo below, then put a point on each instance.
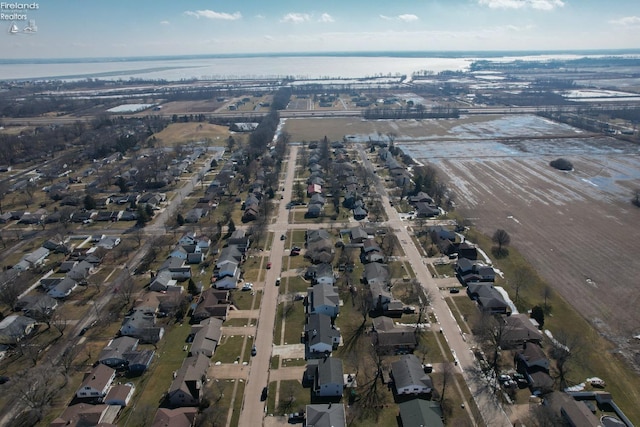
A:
(177, 133)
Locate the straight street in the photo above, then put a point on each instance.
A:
(492, 413)
(253, 410)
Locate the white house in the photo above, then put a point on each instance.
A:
(409, 376)
(96, 384)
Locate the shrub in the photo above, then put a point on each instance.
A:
(562, 164)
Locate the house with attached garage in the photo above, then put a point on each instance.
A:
(328, 377)
(321, 274)
(488, 298)
(391, 338)
(141, 323)
(32, 260)
(63, 288)
(323, 298)
(113, 354)
(120, 394)
(206, 336)
(96, 384)
(14, 328)
(177, 267)
(189, 381)
(409, 376)
(320, 335)
(469, 271)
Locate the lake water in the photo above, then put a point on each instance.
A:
(251, 67)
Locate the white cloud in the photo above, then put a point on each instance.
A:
(325, 17)
(522, 4)
(296, 18)
(406, 17)
(260, 16)
(627, 21)
(210, 14)
(164, 22)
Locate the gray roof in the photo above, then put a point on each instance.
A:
(324, 294)
(323, 415)
(375, 271)
(320, 329)
(408, 371)
(117, 347)
(420, 413)
(207, 337)
(329, 371)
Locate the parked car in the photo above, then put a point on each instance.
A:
(263, 395)
(278, 281)
(254, 350)
(247, 286)
(454, 290)
(269, 265)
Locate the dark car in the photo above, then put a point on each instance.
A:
(454, 290)
(83, 331)
(254, 350)
(263, 395)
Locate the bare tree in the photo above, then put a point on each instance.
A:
(491, 330)
(501, 238)
(10, 292)
(67, 358)
(59, 322)
(565, 350)
(126, 289)
(37, 387)
(522, 279)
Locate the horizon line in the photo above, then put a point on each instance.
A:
(388, 53)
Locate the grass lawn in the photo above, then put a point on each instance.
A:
(294, 262)
(445, 269)
(244, 300)
(294, 362)
(292, 397)
(237, 404)
(230, 349)
(275, 362)
(294, 284)
(239, 322)
(169, 358)
(294, 323)
(463, 307)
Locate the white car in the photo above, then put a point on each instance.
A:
(247, 286)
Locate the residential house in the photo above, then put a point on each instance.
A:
(188, 384)
(325, 415)
(240, 240)
(358, 235)
(328, 380)
(320, 274)
(391, 338)
(177, 268)
(37, 307)
(376, 273)
(141, 324)
(63, 288)
(575, 413)
(518, 329)
(66, 266)
(425, 210)
(467, 250)
(534, 365)
(84, 414)
(120, 394)
(381, 296)
(313, 211)
(229, 253)
(421, 197)
(314, 189)
(178, 417)
(32, 260)
(469, 271)
(80, 271)
(96, 384)
(113, 354)
(488, 298)
(360, 213)
(162, 281)
(14, 328)
(320, 335)
(409, 376)
(138, 361)
(323, 299)
(108, 242)
(206, 336)
(421, 413)
(213, 303)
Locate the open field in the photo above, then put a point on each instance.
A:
(177, 133)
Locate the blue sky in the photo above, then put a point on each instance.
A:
(91, 28)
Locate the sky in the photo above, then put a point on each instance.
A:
(118, 28)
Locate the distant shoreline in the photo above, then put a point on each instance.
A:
(364, 54)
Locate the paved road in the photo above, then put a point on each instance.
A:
(252, 413)
(492, 413)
